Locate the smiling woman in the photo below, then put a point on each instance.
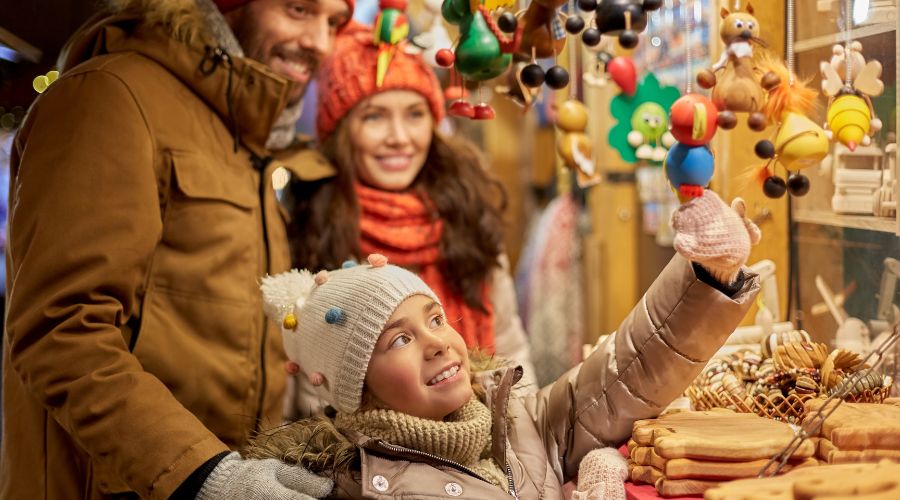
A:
(390, 134)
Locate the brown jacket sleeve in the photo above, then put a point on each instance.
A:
(648, 362)
(84, 222)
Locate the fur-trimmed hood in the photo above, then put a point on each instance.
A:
(183, 20)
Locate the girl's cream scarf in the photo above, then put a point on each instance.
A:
(464, 437)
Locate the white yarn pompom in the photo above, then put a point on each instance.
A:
(283, 292)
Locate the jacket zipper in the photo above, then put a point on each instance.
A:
(401, 449)
(260, 163)
(512, 484)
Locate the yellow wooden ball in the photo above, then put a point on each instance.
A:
(572, 116)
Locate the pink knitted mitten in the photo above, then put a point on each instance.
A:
(601, 476)
(715, 236)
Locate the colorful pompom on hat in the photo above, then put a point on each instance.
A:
(331, 321)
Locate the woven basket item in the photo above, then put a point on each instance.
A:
(788, 408)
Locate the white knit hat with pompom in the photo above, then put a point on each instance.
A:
(331, 321)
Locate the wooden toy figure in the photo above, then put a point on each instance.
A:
(641, 130)
(650, 134)
(482, 53)
(690, 163)
(737, 88)
(543, 36)
(850, 82)
(624, 18)
(574, 146)
(799, 142)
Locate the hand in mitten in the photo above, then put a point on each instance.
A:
(715, 236)
(269, 479)
(601, 476)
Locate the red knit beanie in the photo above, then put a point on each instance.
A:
(348, 77)
(226, 5)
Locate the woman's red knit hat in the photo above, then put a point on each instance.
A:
(226, 5)
(348, 77)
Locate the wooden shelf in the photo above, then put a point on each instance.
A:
(856, 33)
(868, 222)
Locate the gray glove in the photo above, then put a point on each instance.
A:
(269, 479)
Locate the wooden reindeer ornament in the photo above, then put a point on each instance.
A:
(734, 79)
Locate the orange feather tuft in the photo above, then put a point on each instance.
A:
(754, 176)
(795, 97)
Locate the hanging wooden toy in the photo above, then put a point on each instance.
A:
(737, 88)
(482, 51)
(641, 131)
(690, 163)
(850, 82)
(798, 142)
(622, 18)
(543, 37)
(574, 145)
(606, 65)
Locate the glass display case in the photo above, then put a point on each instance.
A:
(844, 233)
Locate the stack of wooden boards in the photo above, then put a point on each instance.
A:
(858, 433)
(828, 482)
(687, 453)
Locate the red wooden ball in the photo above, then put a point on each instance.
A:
(445, 58)
(693, 119)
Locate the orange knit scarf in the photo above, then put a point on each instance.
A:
(399, 226)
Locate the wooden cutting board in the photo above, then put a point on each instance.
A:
(688, 468)
(645, 474)
(831, 482)
(831, 454)
(861, 426)
(719, 436)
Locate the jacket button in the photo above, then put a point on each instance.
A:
(380, 483)
(453, 489)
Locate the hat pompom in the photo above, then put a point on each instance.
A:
(321, 277)
(284, 292)
(377, 260)
(335, 315)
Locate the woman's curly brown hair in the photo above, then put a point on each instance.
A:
(325, 228)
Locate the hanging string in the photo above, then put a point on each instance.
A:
(688, 47)
(573, 57)
(790, 41)
(848, 15)
(737, 5)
